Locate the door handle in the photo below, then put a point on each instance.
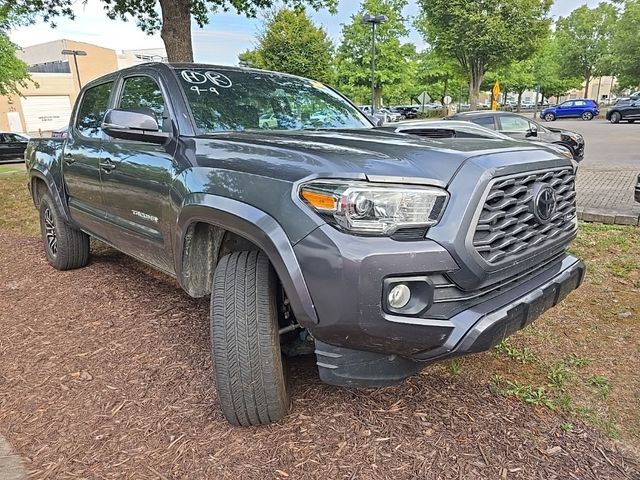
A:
(107, 165)
(68, 159)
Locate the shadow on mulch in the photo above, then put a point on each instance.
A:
(105, 373)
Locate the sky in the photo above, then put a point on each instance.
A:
(219, 42)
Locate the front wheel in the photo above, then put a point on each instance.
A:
(587, 116)
(250, 372)
(66, 248)
(549, 117)
(615, 117)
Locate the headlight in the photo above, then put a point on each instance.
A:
(374, 209)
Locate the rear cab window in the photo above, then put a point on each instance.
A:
(93, 107)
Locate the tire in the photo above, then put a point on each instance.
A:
(587, 116)
(65, 247)
(615, 117)
(549, 117)
(250, 371)
(631, 121)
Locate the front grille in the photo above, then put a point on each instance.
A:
(507, 226)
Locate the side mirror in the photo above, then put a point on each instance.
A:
(132, 125)
(532, 132)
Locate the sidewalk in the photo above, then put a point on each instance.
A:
(606, 196)
(10, 465)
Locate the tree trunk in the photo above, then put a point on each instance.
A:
(176, 29)
(377, 97)
(519, 101)
(477, 75)
(587, 80)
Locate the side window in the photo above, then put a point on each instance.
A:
(567, 104)
(580, 103)
(95, 102)
(487, 122)
(511, 123)
(142, 94)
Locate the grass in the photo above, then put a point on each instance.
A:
(10, 169)
(582, 357)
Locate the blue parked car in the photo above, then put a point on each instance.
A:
(585, 109)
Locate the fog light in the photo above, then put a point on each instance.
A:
(399, 296)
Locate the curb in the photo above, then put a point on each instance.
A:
(608, 217)
(10, 464)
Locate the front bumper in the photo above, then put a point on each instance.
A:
(359, 344)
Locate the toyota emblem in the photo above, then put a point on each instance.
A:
(544, 202)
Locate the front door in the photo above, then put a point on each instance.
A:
(135, 188)
(565, 109)
(515, 126)
(81, 159)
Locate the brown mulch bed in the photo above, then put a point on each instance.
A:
(105, 373)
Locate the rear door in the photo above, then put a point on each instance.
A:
(135, 190)
(487, 121)
(81, 158)
(633, 111)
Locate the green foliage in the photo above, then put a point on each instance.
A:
(395, 65)
(455, 366)
(525, 393)
(546, 69)
(291, 43)
(584, 42)
(522, 355)
(626, 45)
(13, 71)
(484, 35)
(439, 76)
(558, 375)
(602, 383)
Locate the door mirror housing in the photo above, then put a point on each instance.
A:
(133, 125)
(532, 132)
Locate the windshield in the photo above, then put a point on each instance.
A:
(234, 100)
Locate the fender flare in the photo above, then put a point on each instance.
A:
(54, 191)
(262, 230)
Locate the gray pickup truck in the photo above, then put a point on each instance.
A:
(311, 229)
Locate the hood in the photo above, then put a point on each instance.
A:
(293, 155)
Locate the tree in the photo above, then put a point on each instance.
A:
(584, 42)
(394, 59)
(515, 78)
(13, 71)
(547, 73)
(484, 35)
(439, 76)
(626, 45)
(291, 43)
(172, 18)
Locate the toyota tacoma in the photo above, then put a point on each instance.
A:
(316, 232)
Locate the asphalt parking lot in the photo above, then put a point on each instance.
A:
(608, 146)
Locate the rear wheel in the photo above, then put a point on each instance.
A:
(632, 121)
(250, 370)
(615, 117)
(65, 247)
(549, 117)
(587, 116)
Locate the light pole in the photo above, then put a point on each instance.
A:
(373, 20)
(76, 54)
